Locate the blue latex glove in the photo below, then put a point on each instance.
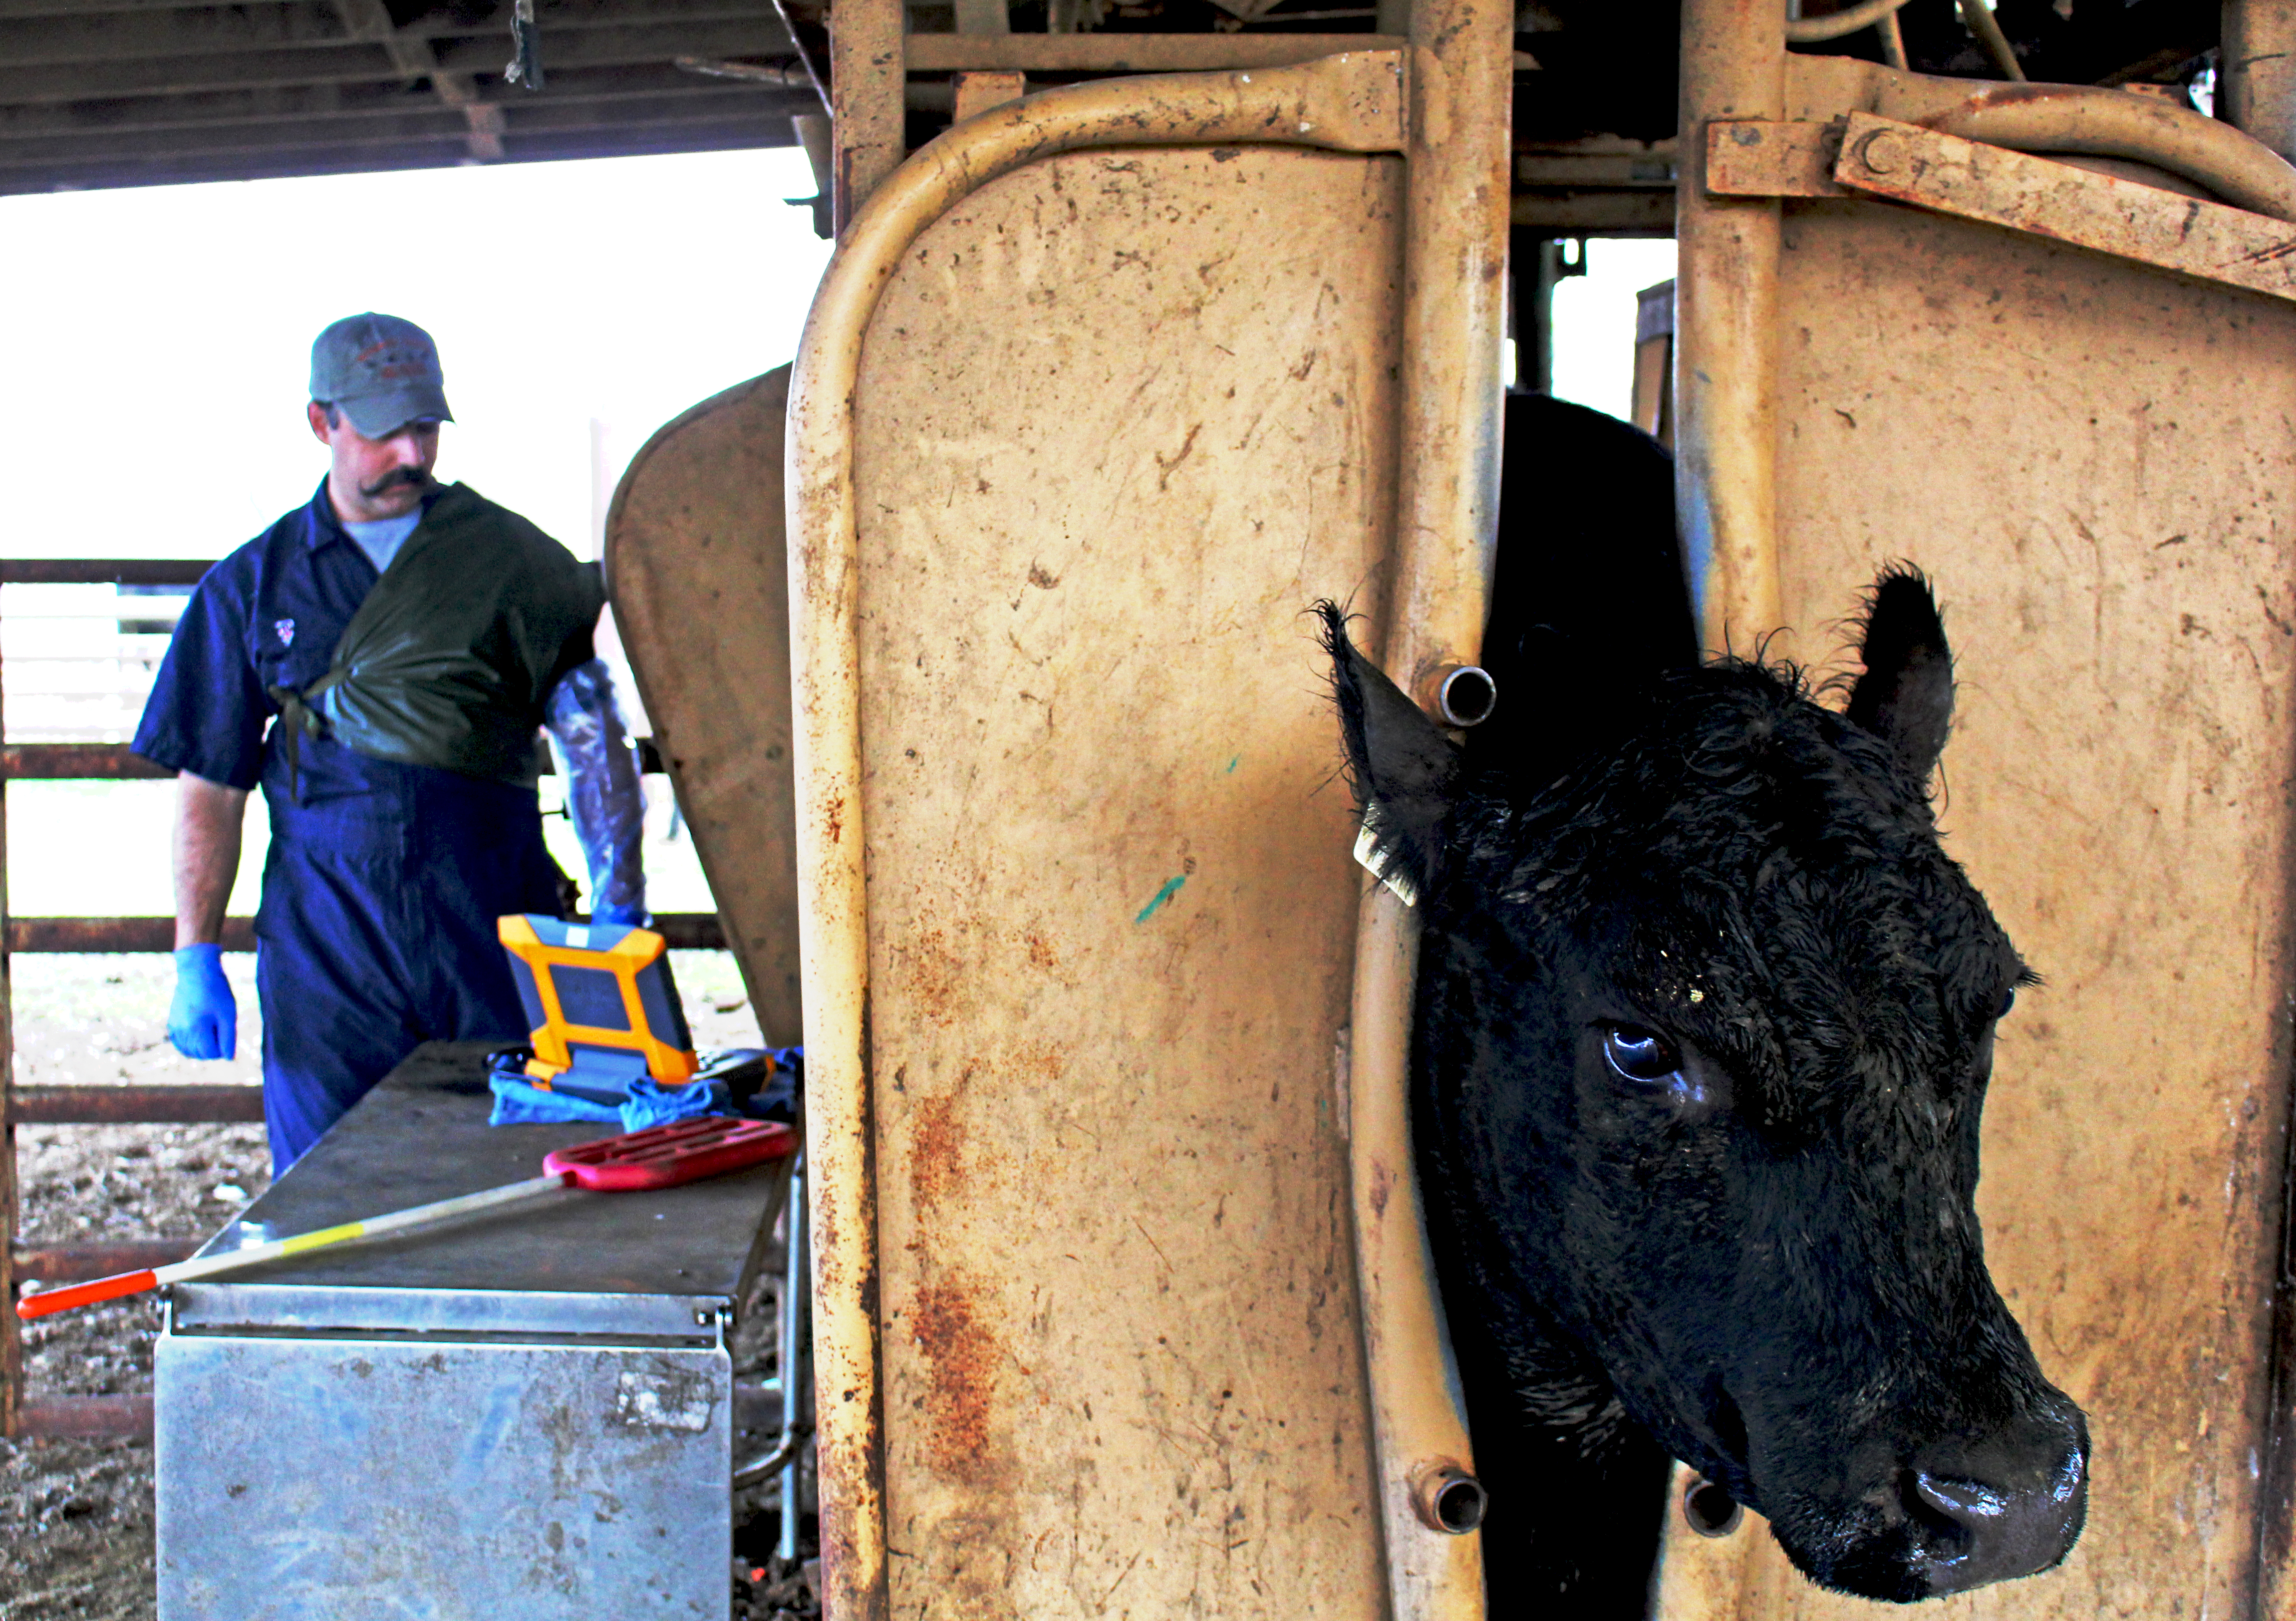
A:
(203, 1020)
(626, 917)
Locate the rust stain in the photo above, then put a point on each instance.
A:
(937, 1161)
(963, 1355)
(936, 975)
(1382, 1183)
(834, 819)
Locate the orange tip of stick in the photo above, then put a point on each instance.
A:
(48, 1301)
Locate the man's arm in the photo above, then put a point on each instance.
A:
(208, 820)
(203, 1019)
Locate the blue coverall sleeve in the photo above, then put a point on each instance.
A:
(208, 709)
(603, 794)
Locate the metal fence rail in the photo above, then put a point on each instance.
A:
(86, 1417)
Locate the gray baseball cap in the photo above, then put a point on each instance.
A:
(383, 372)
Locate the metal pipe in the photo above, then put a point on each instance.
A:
(2257, 76)
(1347, 103)
(1464, 696)
(1811, 30)
(1725, 331)
(685, 932)
(1982, 23)
(11, 1342)
(1893, 43)
(796, 1367)
(103, 570)
(175, 1104)
(113, 1418)
(2143, 129)
(74, 1262)
(780, 1460)
(1455, 225)
(1040, 53)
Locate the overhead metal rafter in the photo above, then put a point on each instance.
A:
(413, 55)
(105, 92)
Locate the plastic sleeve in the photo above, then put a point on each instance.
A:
(603, 794)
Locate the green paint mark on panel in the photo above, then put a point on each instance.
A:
(1233, 764)
(1171, 888)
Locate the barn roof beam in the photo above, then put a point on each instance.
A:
(561, 115)
(405, 59)
(208, 29)
(417, 59)
(163, 168)
(291, 103)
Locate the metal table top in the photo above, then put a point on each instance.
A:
(620, 1260)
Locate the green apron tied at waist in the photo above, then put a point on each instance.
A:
(449, 660)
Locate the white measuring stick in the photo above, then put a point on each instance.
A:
(255, 1254)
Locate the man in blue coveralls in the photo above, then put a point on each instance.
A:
(404, 818)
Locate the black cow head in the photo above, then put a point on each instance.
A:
(1706, 1021)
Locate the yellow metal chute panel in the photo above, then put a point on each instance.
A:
(1103, 390)
(2089, 456)
(1121, 417)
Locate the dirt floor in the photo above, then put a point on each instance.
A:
(76, 1518)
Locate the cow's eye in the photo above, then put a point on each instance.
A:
(2008, 1000)
(1641, 1055)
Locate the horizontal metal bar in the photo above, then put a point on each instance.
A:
(692, 931)
(201, 1104)
(1594, 213)
(2039, 197)
(103, 570)
(60, 762)
(116, 761)
(113, 1418)
(105, 935)
(685, 931)
(1128, 52)
(79, 1263)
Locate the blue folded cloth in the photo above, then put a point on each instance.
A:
(518, 1101)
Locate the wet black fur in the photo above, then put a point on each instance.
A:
(1772, 1268)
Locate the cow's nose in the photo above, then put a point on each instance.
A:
(1996, 1507)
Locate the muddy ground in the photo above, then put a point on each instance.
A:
(76, 1518)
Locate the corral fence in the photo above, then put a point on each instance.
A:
(110, 706)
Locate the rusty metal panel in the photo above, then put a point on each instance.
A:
(1121, 417)
(695, 564)
(2091, 461)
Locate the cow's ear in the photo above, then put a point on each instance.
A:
(1403, 769)
(1906, 695)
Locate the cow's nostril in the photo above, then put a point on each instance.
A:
(1988, 1513)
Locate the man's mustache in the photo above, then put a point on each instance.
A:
(416, 476)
